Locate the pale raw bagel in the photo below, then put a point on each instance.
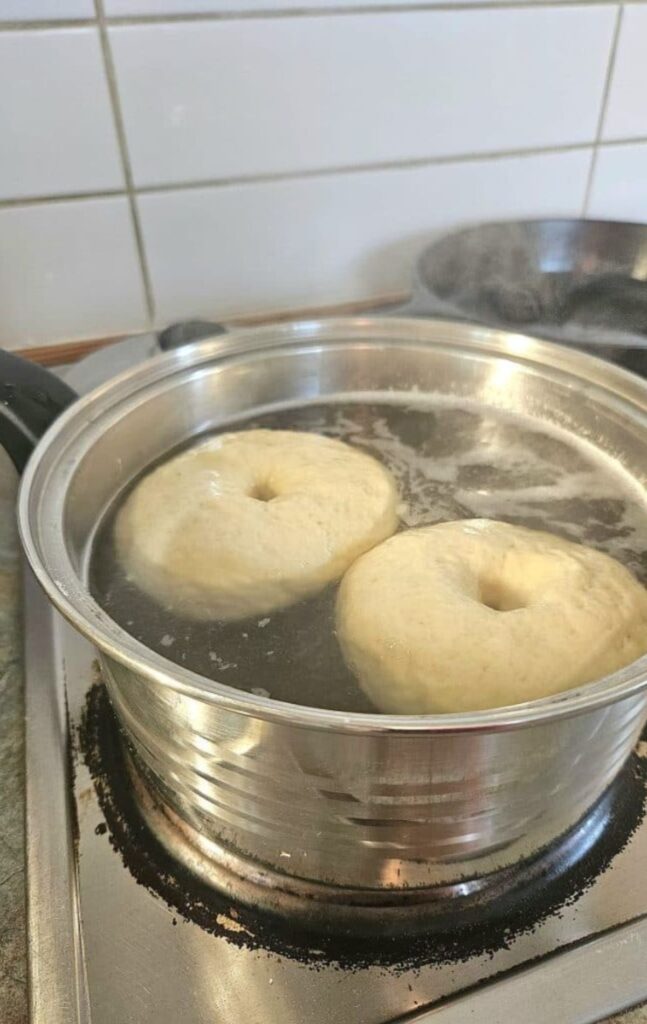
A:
(246, 523)
(478, 614)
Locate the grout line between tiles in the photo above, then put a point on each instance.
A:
(179, 186)
(604, 103)
(350, 9)
(125, 158)
(60, 197)
(637, 140)
(321, 172)
(298, 12)
(24, 26)
(346, 169)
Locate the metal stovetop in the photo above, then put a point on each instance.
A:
(106, 949)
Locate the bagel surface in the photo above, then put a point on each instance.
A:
(249, 522)
(464, 616)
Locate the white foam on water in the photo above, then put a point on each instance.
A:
(501, 465)
(220, 663)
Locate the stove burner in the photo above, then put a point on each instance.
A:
(169, 862)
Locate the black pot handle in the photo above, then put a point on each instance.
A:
(30, 399)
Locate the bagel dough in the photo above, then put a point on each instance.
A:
(249, 522)
(478, 614)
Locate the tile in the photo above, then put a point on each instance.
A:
(244, 248)
(45, 10)
(234, 98)
(55, 117)
(68, 270)
(619, 189)
(626, 113)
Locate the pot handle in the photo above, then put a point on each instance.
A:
(186, 332)
(30, 399)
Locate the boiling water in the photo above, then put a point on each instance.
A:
(450, 462)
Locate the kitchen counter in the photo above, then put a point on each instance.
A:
(13, 968)
(13, 963)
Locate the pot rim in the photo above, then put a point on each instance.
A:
(70, 595)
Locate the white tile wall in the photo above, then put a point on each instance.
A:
(57, 126)
(68, 270)
(327, 146)
(626, 114)
(233, 98)
(220, 251)
(620, 183)
(45, 10)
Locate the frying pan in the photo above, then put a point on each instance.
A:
(577, 282)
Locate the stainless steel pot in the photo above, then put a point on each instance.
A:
(355, 807)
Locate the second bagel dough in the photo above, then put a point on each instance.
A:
(249, 522)
(469, 615)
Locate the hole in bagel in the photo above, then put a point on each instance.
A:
(262, 492)
(500, 596)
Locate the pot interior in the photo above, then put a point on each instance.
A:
(452, 460)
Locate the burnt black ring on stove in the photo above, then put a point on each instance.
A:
(541, 888)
